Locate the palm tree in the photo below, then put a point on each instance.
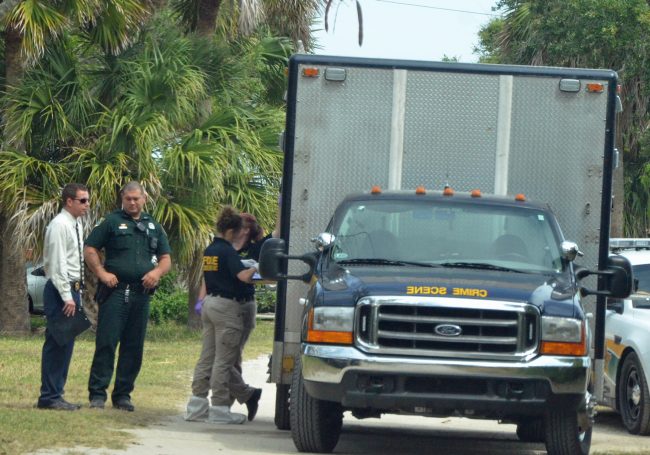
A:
(29, 27)
(145, 125)
(599, 34)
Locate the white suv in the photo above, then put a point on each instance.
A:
(627, 339)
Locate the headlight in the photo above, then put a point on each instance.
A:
(330, 325)
(563, 336)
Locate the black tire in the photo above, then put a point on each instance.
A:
(315, 424)
(282, 414)
(564, 436)
(633, 396)
(531, 430)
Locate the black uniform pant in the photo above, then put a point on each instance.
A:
(122, 320)
(55, 359)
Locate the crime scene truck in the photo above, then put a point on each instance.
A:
(416, 273)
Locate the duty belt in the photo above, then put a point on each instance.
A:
(228, 297)
(135, 287)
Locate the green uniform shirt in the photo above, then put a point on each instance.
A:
(131, 247)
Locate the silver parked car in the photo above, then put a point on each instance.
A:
(35, 284)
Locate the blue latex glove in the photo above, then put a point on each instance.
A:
(198, 306)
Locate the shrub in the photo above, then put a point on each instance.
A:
(265, 298)
(169, 306)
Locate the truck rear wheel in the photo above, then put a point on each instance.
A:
(531, 430)
(282, 415)
(564, 436)
(633, 396)
(315, 424)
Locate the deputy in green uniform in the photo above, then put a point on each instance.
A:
(137, 255)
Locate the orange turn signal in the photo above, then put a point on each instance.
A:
(375, 190)
(448, 191)
(558, 348)
(317, 336)
(520, 197)
(420, 190)
(476, 193)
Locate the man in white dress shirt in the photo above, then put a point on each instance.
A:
(63, 267)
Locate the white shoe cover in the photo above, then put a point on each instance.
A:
(222, 414)
(197, 408)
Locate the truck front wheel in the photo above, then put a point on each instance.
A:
(564, 436)
(315, 424)
(633, 396)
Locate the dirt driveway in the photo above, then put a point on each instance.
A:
(390, 435)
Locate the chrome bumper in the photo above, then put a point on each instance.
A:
(329, 364)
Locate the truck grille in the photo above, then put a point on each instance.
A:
(446, 327)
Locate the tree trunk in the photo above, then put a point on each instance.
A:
(14, 314)
(207, 20)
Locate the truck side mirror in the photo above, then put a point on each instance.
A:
(619, 278)
(323, 241)
(570, 250)
(273, 258)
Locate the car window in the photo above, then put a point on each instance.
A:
(642, 274)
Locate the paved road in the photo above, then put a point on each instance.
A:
(390, 435)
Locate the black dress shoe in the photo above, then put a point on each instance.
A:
(124, 405)
(97, 403)
(78, 406)
(253, 403)
(57, 405)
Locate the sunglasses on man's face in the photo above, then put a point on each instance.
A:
(83, 200)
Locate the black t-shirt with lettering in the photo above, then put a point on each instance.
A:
(221, 264)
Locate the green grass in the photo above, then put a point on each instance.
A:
(162, 387)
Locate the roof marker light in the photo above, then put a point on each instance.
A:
(420, 190)
(595, 87)
(476, 193)
(376, 189)
(520, 197)
(448, 191)
(310, 72)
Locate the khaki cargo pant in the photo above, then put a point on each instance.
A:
(227, 324)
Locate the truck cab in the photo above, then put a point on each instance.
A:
(440, 304)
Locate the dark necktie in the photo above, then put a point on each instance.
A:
(81, 260)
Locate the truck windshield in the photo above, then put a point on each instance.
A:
(522, 239)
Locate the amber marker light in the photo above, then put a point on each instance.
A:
(558, 348)
(595, 87)
(376, 189)
(420, 190)
(448, 191)
(310, 72)
(476, 193)
(520, 197)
